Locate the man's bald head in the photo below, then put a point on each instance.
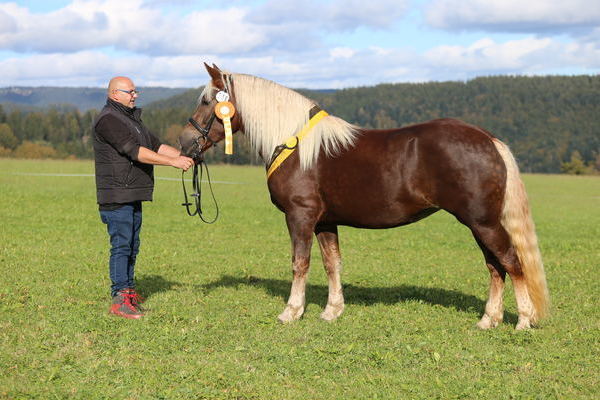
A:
(120, 90)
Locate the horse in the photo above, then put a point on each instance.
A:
(335, 173)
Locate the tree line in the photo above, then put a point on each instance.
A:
(552, 124)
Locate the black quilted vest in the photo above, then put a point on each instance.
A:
(120, 179)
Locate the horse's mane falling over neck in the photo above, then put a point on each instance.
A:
(272, 113)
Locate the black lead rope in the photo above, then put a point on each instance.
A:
(197, 195)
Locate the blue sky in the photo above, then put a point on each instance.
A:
(309, 44)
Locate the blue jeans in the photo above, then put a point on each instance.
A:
(123, 225)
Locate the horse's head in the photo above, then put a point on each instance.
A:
(205, 128)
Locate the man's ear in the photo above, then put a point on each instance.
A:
(112, 94)
(216, 75)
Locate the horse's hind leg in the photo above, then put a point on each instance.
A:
(301, 236)
(504, 258)
(494, 308)
(330, 251)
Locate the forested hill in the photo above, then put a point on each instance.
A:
(543, 119)
(547, 121)
(82, 98)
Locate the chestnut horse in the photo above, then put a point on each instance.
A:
(336, 174)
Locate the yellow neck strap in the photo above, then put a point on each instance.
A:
(293, 142)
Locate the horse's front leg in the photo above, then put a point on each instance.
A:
(300, 229)
(330, 251)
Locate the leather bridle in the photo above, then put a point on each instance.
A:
(196, 151)
(196, 154)
(197, 195)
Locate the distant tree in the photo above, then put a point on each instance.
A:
(34, 150)
(34, 126)
(597, 162)
(15, 120)
(383, 120)
(576, 166)
(7, 137)
(543, 119)
(71, 125)
(172, 134)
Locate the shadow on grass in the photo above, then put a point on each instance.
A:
(149, 285)
(317, 294)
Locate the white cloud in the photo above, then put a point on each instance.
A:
(334, 68)
(586, 54)
(350, 14)
(126, 25)
(341, 52)
(64, 69)
(333, 15)
(7, 23)
(146, 28)
(163, 43)
(94, 68)
(514, 15)
(529, 56)
(485, 54)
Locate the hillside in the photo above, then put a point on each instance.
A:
(185, 100)
(547, 121)
(83, 98)
(188, 99)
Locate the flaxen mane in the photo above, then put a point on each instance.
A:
(272, 113)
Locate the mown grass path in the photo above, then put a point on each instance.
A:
(413, 297)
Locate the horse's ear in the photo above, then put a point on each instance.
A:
(216, 76)
(211, 70)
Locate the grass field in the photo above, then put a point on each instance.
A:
(413, 296)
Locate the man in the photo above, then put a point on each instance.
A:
(125, 152)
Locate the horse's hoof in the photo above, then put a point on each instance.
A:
(523, 324)
(291, 314)
(487, 322)
(331, 313)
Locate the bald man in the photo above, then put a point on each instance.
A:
(125, 152)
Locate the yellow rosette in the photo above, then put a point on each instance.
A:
(225, 111)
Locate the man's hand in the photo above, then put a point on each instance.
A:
(166, 155)
(182, 162)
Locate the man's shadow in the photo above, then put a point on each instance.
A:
(353, 294)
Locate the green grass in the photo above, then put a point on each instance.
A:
(413, 297)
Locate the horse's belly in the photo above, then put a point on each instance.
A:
(363, 216)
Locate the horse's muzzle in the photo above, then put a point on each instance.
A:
(189, 145)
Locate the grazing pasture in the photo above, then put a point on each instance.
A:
(214, 291)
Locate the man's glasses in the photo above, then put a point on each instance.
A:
(132, 92)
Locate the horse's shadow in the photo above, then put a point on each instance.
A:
(353, 294)
(149, 285)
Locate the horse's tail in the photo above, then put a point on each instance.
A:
(516, 219)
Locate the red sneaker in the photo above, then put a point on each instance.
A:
(136, 299)
(123, 306)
